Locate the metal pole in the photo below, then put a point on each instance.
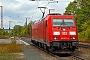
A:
(1, 17)
(50, 10)
(9, 26)
(26, 24)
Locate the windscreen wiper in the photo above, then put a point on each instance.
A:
(63, 23)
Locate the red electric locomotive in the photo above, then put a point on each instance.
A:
(56, 33)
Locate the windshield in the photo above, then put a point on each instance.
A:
(67, 22)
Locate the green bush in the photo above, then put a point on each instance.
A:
(85, 35)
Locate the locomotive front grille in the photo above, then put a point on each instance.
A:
(56, 43)
(61, 44)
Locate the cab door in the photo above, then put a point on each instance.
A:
(44, 29)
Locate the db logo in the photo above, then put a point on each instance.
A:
(64, 33)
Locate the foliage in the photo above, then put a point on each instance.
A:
(17, 29)
(2, 34)
(21, 30)
(81, 10)
(1, 31)
(5, 33)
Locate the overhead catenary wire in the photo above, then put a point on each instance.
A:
(36, 9)
(48, 2)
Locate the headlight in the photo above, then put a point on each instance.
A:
(56, 33)
(72, 33)
(55, 38)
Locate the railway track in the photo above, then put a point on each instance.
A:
(77, 57)
(84, 46)
(58, 57)
(72, 56)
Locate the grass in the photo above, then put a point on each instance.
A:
(7, 51)
(3, 37)
(10, 51)
(10, 56)
(10, 48)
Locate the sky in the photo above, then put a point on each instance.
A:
(17, 11)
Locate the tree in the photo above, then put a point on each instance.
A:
(17, 30)
(81, 10)
(71, 9)
(22, 30)
(29, 28)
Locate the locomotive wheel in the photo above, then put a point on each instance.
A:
(38, 44)
(42, 45)
(45, 47)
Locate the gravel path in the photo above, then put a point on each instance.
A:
(31, 54)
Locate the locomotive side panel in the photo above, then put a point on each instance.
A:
(37, 31)
(40, 30)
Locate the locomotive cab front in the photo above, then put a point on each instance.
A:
(64, 34)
